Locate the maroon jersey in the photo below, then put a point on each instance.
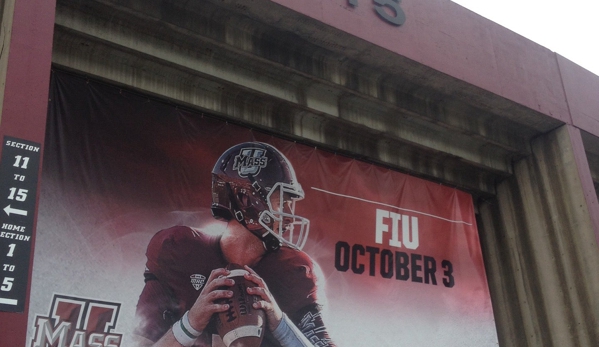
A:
(179, 262)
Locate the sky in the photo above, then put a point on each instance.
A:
(567, 27)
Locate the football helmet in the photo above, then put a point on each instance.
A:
(255, 184)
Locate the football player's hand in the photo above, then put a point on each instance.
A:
(274, 315)
(205, 305)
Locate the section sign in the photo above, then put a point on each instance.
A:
(19, 169)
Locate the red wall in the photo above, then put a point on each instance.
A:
(25, 105)
(582, 91)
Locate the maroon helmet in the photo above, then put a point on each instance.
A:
(255, 184)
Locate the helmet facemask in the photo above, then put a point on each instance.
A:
(280, 219)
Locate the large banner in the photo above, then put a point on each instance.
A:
(127, 236)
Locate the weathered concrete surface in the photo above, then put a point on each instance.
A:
(540, 248)
(385, 110)
(450, 39)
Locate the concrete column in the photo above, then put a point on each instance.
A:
(25, 60)
(540, 246)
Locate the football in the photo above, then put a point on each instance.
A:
(241, 325)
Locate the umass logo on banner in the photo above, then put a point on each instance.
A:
(250, 161)
(78, 322)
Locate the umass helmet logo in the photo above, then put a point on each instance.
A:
(250, 161)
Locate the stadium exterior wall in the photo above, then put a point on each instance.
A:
(448, 95)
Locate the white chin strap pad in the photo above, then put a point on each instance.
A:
(237, 273)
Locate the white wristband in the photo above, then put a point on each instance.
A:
(184, 333)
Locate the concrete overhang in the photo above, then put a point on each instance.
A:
(271, 66)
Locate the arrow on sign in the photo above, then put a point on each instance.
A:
(10, 210)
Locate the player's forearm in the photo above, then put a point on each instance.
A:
(289, 335)
(168, 340)
(180, 334)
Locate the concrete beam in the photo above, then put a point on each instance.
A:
(268, 113)
(146, 48)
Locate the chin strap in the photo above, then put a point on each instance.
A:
(271, 243)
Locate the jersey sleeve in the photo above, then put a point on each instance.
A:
(169, 251)
(312, 325)
(162, 301)
(156, 310)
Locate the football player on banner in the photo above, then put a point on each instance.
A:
(250, 286)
